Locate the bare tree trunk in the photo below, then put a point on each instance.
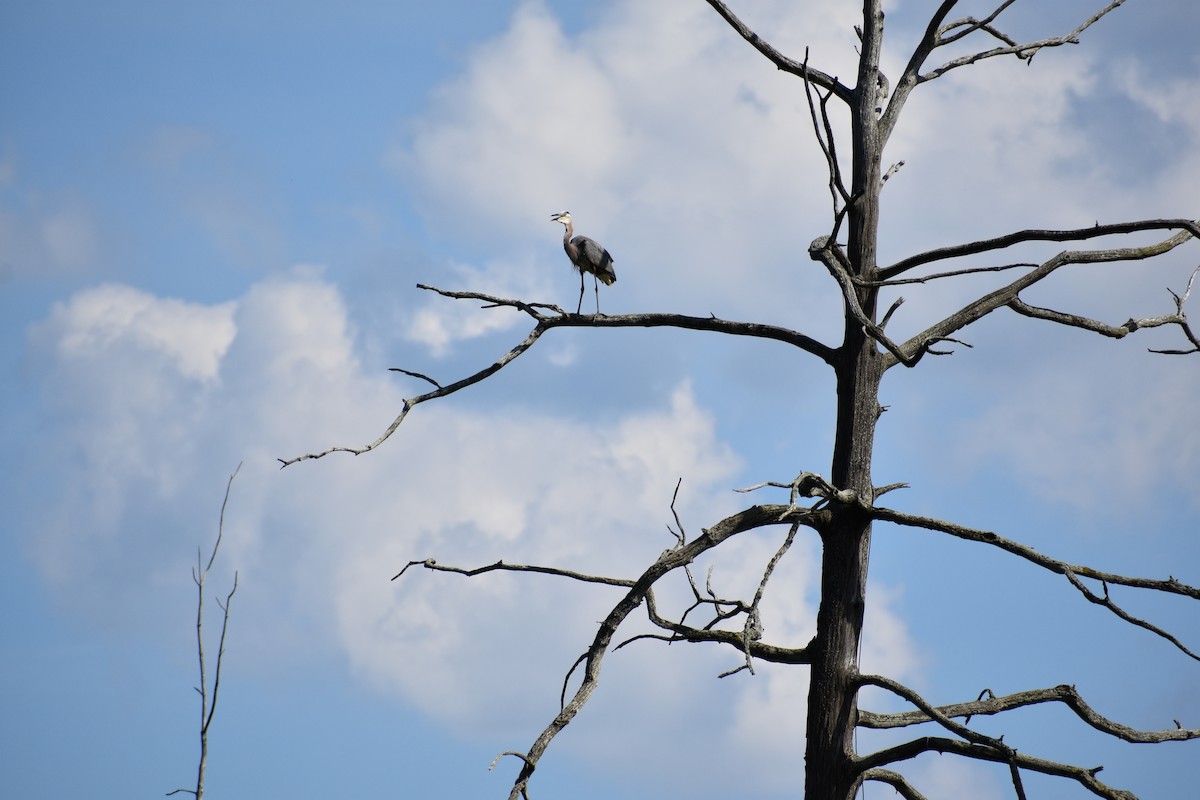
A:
(846, 544)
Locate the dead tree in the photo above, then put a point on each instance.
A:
(842, 507)
(209, 690)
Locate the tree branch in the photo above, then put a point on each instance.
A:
(911, 351)
(1065, 694)
(1120, 331)
(781, 61)
(758, 649)
(916, 747)
(1169, 586)
(1025, 52)
(1036, 235)
(893, 779)
(208, 704)
(500, 566)
(749, 519)
(562, 319)
(827, 252)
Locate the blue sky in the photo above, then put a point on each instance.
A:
(212, 220)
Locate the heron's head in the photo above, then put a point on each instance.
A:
(563, 216)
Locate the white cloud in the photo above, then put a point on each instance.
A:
(191, 338)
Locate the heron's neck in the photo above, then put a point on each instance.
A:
(568, 229)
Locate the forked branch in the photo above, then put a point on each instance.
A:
(1037, 235)
(1024, 51)
(1120, 331)
(548, 317)
(1064, 694)
(638, 590)
(938, 33)
(974, 745)
(911, 351)
(1070, 571)
(209, 693)
(1086, 777)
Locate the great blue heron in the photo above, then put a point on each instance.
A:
(588, 256)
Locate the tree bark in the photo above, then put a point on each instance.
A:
(846, 543)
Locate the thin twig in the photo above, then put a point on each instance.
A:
(208, 703)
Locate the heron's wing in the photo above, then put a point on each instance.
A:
(596, 259)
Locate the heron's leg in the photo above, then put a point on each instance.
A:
(579, 307)
(596, 286)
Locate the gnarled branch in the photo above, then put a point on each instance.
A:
(550, 316)
(1065, 694)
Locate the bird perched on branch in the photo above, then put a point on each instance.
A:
(588, 256)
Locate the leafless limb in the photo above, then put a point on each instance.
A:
(978, 739)
(557, 318)
(640, 590)
(823, 131)
(1025, 51)
(686, 633)
(500, 566)
(1070, 571)
(939, 275)
(749, 519)
(892, 170)
(893, 779)
(932, 744)
(1120, 331)
(1107, 602)
(752, 631)
(826, 251)
(938, 34)
(678, 532)
(781, 61)
(1038, 235)
(1065, 694)
(912, 350)
(968, 25)
(416, 375)
(208, 703)
(1180, 318)
(976, 745)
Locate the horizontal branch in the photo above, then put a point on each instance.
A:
(549, 316)
(915, 347)
(500, 566)
(1070, 571)
(1120, 331)
(1036, 235)
(933, 744)
(777, 58)
(1067, 695)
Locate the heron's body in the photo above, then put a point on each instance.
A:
(588, 256)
